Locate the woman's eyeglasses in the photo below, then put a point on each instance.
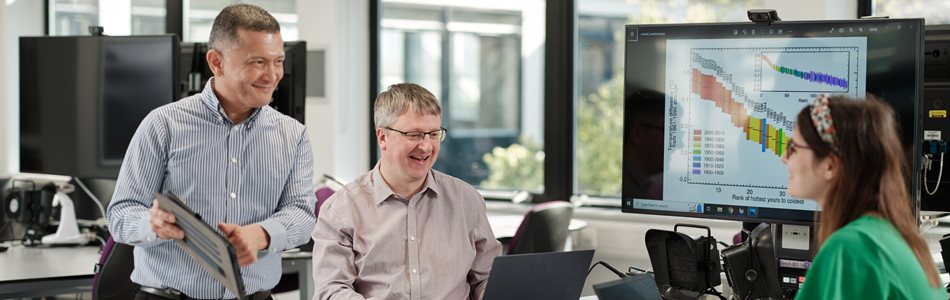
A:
(792, 146)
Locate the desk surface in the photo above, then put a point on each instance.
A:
(28, 263)
(42, 271)
(505, 226)
(74, 266)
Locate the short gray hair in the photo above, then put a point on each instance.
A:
(398, 98)
(240, 16)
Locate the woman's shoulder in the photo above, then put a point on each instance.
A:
(870, 241)
(862, 231)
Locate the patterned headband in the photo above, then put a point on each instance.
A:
(821, 118)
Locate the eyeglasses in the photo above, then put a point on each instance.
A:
(792, 146)
(417, 136)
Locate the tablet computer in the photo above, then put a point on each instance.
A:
(205, 245)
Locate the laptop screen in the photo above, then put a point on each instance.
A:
(552, 275)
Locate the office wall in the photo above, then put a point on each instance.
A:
(17, 18)
(339, 122)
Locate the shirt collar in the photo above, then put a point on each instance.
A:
(210, 99)
(382, 191)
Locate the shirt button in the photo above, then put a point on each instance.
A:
(233, 195)
(413, 271)
(148, 238)
(234, 159)
(412, 205)
(412, 238)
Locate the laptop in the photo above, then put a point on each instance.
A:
(550, 276)
(640, 287)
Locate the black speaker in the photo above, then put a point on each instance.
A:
(751, 267)
(681, 263)
(29, 206)
(17, 205)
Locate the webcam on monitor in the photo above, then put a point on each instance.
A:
(763, 16)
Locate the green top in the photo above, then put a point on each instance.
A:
(867, 259)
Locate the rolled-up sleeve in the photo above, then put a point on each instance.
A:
(140, 177)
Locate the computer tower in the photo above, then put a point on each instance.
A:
(936, 111)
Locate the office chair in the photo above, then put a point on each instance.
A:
(112, 279)
(323, 193)
(114, 269)
(288, 282)
(543, 229)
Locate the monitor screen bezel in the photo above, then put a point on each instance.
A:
(808, 27)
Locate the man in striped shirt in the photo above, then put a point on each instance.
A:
(241, 165)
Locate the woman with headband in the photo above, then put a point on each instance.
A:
(847, 156)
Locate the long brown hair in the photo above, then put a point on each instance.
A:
(872, 174)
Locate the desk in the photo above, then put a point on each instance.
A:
(505, 226)
(41, 271)
(301, 263)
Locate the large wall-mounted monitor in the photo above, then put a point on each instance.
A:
(709, 108)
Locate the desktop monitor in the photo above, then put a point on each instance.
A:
(82, 98)
(709, 108)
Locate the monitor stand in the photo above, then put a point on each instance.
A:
(793, 249)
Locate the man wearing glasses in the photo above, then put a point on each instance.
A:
(403, 230)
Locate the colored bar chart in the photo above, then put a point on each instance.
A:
(757, 130)
(806, 71)
(697, 151)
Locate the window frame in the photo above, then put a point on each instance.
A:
(559, 103)
(174, 23)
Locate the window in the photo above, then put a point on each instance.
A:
(483, 60)
(933, 11)
(199, 16)
(129, 17)
(148, 17)
(599, 65)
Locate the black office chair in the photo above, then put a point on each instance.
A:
(114, 269)
(113, 272)
(544, 229)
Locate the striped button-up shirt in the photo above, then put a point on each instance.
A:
(256, 172)
(370, 243)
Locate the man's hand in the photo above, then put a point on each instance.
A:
(163, 223)
(247, 241)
